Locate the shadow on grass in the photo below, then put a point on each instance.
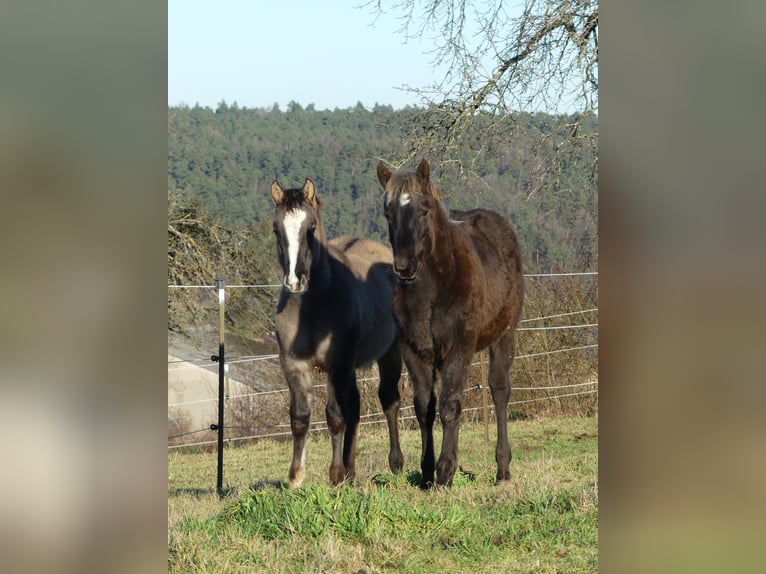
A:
(415, 478)
(195, 492)
(270, 484)
(389, 479)
(232, 491)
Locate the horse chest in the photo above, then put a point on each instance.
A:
(302, 340)
(425, 331)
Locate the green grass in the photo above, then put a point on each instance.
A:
(544, 520)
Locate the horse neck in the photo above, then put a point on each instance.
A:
(320, 277)
(442, 254)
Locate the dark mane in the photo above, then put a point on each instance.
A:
(295, 199)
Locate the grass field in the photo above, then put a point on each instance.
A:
(545, 520)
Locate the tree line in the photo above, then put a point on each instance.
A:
(222, 161)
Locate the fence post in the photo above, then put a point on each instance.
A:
(220, 285)
(484, 383)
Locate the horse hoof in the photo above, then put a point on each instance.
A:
(445, 470)
(337, 475)
(503, 476)
(396, 462)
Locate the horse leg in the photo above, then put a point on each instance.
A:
(422, 375)
(299, 382)
(390, 370)
(352, 424)
(341, 426)
(500, 360)
(453, 377)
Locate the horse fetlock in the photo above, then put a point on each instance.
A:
(503, 474)
(502, 456)
(427, 355)
(296, 476)
(337, 474)
(445, 470)
(427, 484)
(426, 472)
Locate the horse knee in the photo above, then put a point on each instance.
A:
(336, 419)
(336, 424)
(300, 425)
(449, 412)
(500, 393)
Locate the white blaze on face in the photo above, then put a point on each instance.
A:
(404, 199)
(293, 221)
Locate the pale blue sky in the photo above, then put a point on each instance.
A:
(257, 53)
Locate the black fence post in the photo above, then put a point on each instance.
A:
(220, 285)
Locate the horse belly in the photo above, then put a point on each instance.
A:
(377, 340)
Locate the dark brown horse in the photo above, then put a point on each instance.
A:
(460, 289)
(334, 315)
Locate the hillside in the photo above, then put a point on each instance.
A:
(225, 159)
(221, 164)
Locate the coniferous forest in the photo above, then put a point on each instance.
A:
(223, 161)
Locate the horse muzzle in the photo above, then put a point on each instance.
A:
(406, 275)
(296, 287)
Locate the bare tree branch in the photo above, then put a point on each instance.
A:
(544, 58)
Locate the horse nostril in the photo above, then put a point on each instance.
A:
(405, 272)
(298, 286)
(401, 265)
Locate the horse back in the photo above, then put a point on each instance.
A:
(369, 261)
(496, 249)
(365, 266)
(493, 239)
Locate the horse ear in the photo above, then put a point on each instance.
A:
(309, 191)
(423, 173)
(424, 170)
(384, 174)
(277, 193)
